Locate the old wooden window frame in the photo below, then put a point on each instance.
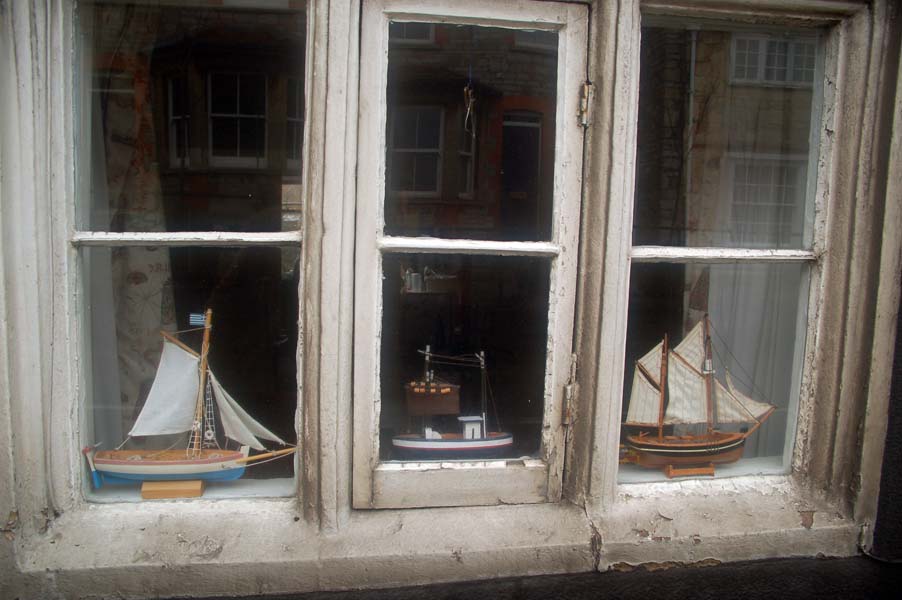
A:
(378, 484)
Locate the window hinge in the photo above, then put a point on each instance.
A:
(585, 96)
(569, 393)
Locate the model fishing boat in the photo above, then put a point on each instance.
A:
(185, 397)
(430, 397)
(679, 387)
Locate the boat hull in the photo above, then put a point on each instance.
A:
(131, 466)
(715, 448)
(452, 447)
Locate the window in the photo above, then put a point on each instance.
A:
(477, 304)
(411, 33)
(416, 150)
(179, 118)
(773, 60)
(716, 334)
(295, 122)
(200, 315)
(768, 201)
(237, 119)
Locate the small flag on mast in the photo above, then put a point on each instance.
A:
(197, 319)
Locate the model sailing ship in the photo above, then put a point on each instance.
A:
(184, 397)
(679, 387)
(429, 397)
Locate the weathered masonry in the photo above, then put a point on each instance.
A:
(496, 269)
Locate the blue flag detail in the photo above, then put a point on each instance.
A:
(196, 319)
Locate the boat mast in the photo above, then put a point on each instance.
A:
(708, 372)
(199, 406)
(663, 384)
(482, 378)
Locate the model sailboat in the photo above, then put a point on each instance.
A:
(430, 397)
(185, 397)
(679, 387)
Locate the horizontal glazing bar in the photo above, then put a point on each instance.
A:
(185, 238)
(484, 247)
(652, 254)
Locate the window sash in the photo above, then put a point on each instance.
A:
(392, 484)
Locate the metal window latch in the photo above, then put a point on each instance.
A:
(570, 390)
(585, 95)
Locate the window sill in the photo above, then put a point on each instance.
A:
(250, 547)
(727, 519)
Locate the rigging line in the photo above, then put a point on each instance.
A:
(263, 462)
(460, 357)
(155, 454)
(751, 380)
(186, 330)
(488, 385)
(754, 418)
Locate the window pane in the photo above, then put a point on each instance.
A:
(721, 162)
(251, 133)
(461, 305)
(224, 132)
(756, 329)
(150, 64)
(134, 293)
(224, 93)
(253, 94)
(506, 76)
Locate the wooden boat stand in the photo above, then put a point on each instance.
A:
(159, 490)
(672, 471)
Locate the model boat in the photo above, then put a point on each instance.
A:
(430, 397)
(185, 397)
(680, 387)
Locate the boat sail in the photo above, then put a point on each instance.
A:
(679, 387)
(184, 397)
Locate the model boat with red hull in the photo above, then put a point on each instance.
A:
(430, 397)
(679, 387)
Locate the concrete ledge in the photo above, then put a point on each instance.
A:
(253, 547)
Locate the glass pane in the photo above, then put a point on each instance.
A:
(252, 141)
(459, 306)
(723, 161)
(485, 84)
(134, 293)
(253, 94)
(224, 131)
(756, 327)
(147, 62)
(224, 93)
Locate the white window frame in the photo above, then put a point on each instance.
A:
(254, 162)
(379, 484)
(760, 77)
(438, 151)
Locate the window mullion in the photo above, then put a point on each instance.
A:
(674, 254)
(185, 238)
(463, 246)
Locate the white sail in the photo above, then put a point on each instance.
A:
(645, 402)
(686, 393)
(236, 423)
(171, 403)
(692, 348)
(735, 407)
(651, 362)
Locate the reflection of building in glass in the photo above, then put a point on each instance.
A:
(197, 125)
(470, 131)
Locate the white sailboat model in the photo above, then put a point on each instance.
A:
(679, 387)
(184, 397)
